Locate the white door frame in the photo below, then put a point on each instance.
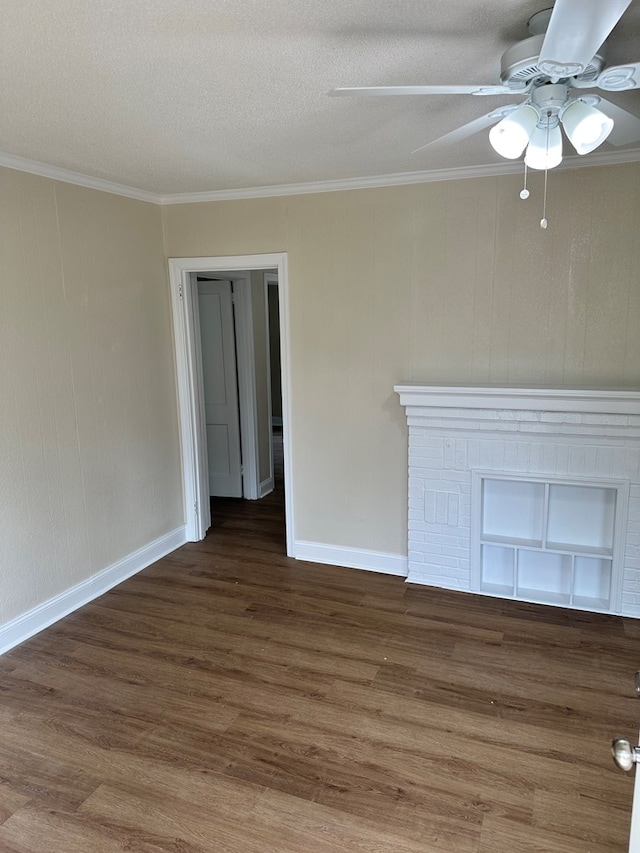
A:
(634, 834)
(269, 278)
(189, 382)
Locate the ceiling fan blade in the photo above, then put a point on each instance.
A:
(427, 90)
(576, 30)
(469, 129)
(618, 78)
(626, 126)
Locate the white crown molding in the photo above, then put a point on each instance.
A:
(20, 164)
(67, 176)
(396, 179)
(364, 183)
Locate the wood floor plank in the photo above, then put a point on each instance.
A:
(411, 771)
(514, 620)
(76, 760)
(119, 698)
(232, 699)
(501, 834)
(555, 811)
(11, 800)
(26, 777)
(195, 826)
(551, 665)
(112, 629)
(54, 831)
(318, 824)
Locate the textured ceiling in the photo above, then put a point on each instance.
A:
(176, 96)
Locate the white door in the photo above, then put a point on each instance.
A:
(634, 837)
(627, 757)
(220, 388)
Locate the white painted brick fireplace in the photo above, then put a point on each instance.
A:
(528, 493)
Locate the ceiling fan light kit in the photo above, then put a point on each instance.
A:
(536, 127)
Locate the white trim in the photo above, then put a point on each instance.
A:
(20, 164)
(609, 158)
(352, 558)
(40, 617)
(186, 337)
(245, 358)
(67, 176)
(634, 833)
(202, 495)
(364, 183)
(190, 411)
(269, 278)
(267, 486)
(542, 398)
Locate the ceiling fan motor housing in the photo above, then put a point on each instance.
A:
(519, 64)
(549, 100)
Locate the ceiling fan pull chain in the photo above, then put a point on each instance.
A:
(543, 221)
(524, 192)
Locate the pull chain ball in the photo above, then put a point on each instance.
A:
(524, 192)
(543, 223)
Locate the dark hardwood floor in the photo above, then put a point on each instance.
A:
(231, 699)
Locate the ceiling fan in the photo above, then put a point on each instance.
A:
(551, 70)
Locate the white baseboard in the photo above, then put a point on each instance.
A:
(266, 487)
(352, 558)
(40, 617)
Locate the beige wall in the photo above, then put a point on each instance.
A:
(89, 455)
(441, 282)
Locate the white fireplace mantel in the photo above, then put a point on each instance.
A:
(470, 447)
(531, 398)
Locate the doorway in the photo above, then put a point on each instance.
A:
(240, 343)
(183, 273)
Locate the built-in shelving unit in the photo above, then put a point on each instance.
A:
(549, 541)
(525, 491)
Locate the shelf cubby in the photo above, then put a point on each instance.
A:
(581, 515)
(498, 575)
(544, 572)
(592, 579)
(525, 501)
(547, 540)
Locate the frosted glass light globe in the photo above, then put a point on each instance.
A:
(541, 155)
(586, 127)
(510, 136)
